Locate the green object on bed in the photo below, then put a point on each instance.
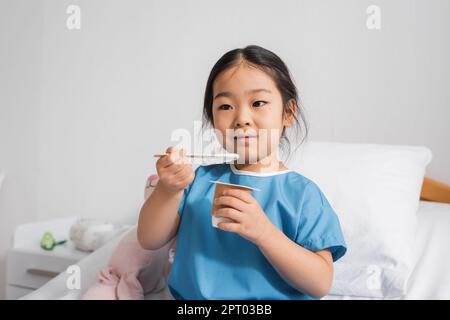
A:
(48, 242)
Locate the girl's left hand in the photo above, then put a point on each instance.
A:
(249, 220)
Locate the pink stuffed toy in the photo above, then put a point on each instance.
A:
(125, 277)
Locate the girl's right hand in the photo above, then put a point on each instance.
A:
(174, 170)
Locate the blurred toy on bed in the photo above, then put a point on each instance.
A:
(91, 234)
(132, 271)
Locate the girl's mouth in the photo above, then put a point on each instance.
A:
(244, 139)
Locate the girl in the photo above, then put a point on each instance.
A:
(281, 242)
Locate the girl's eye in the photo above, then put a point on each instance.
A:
(224, 107)
(259, 103)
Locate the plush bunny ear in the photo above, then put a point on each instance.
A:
(150, 185)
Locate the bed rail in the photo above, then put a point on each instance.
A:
(436, 191)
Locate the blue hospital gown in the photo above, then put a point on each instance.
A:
(214, 264)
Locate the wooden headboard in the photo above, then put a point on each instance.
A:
(436, 191)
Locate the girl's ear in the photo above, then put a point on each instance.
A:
(290, 112)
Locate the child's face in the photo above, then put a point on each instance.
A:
(247, 102)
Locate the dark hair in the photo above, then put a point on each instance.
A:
(270, 63)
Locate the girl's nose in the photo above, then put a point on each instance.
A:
(242, 119)
(243, 124)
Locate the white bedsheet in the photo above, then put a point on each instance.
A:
(430, 278)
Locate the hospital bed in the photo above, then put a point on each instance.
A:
(430, 278)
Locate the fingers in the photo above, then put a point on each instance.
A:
(166, 161)
(180, 184)
(184, 175)
(178, 169)
(242, 195)
(230, 227)
(177, 176)
(230, 213)
(170, 149)
(187, 180)
(229, 201)
(174, 170)
(173, 156)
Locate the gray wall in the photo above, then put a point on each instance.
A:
(82, 112)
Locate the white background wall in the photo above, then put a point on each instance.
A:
(82, 112)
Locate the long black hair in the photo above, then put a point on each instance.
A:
(270, 63)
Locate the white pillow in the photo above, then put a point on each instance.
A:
(375, 191)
